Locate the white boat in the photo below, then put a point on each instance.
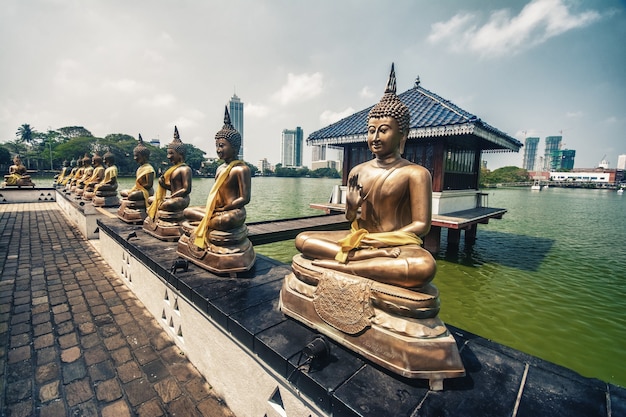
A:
(620, 191)
(536, 186)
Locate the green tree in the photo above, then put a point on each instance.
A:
(194, 157)
(26, 133)
(509, 174)
(76, 148)
(70, 132)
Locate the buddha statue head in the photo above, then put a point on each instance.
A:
(391, 106)
(97, 159)
(229, 133)
(109, 158)
(141, 149)
(176, 144)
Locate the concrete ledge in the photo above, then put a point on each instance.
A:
(9, 195)
(81, 213)
(232, 331)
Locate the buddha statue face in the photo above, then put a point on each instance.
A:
(174, 156)
(225, 150)
(384, 136)
(17, 160)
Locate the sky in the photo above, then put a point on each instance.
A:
(529, 68)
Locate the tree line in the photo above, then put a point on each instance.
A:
(47, 151)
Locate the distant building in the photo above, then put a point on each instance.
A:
(563, 159)
(264, 166)
(235, 108)
(155, 142)
(325, 164)
(291, 147)
(318, 153)
(553, 143)
(621, 161)
(530, 153)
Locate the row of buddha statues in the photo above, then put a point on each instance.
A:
(369, 288)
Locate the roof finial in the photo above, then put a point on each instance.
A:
(417, 81)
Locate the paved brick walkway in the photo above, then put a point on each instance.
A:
(74, 341)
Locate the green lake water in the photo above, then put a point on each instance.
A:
(548, 279)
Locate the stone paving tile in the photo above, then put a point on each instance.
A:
(74, 341)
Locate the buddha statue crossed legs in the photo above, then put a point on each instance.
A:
(165, 212)
(370, 289)
(216, 236)
(135, 200)
(18, 176)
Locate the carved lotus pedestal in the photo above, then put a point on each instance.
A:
(393, 327)
(228, 252)
(165, 226)
(131, 211)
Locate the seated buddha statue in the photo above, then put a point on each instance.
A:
(215, 235)
(65, 172)
(79, 188)
(105, 192)
(135, 200)
(77, 170)
(165, 212)
(18, 176)
(369, 288)
(97, 174)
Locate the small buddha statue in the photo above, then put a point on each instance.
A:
(97, 174)
(135, 200)
(165, 212)
(79, 187)
(18, 176)
(369, 288)
(65, 172)
(76, 164)
(105, 192)
(216, 236)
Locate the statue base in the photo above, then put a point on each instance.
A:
(227, 253)
(132, 212)
(394, 327)
(19, 184)
(165, 226)
(106, 201)
(88, 195)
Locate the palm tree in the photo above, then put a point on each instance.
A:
(26, 133)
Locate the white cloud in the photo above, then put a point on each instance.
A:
(328, 117)
(366, 92)
(504, 34)
(256, 110)
(159, 100)
(299, 88)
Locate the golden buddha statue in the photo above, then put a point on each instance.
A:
(18, 176)
(216, 236)
(370, 289)
(65, 172)
(135, 200)
(165, 212)
(77, 166)
(79, 187)
(97, 174)
(105, 192)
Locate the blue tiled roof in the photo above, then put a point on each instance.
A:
(431, 116)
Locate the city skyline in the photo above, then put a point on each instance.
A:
(526, 67)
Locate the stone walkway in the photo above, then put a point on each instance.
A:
(74, 341)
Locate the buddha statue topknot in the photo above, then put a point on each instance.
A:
(369, 288)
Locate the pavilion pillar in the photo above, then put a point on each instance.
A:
(454, 237)
(432, 241)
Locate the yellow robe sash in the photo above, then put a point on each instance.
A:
(142, 171)
(203, 227)
(159, 195)
(356, 235)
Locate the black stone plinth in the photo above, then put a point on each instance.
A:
(499, 381)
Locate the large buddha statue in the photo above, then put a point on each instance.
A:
(165, 212)
(18, 176)
(105, 192)
(135, 200)
(369, 288)
(216, 236)
(97, 174)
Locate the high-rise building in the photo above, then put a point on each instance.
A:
(318, 153)
(291, 147)
(621, 161)
(553, 143)
(235, 108)
(530, 153)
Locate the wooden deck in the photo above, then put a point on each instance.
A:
(271, 231)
